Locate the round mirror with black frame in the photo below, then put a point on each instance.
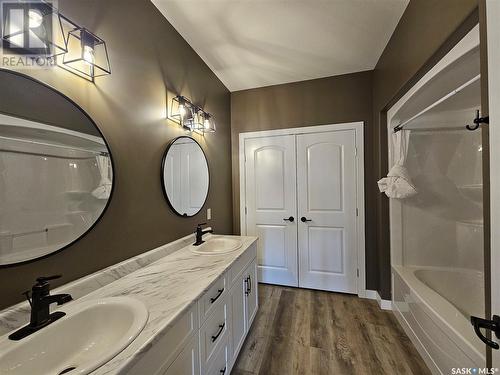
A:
(56, 170)
(185, 176)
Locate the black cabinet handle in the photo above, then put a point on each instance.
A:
(249, 284)
(246, 286)
(304, 219)
(291, 219)
(220, 291)
(221, 328)
(223, 371)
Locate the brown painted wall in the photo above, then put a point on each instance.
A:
(425, 33)
(331, 100)
(129, 106)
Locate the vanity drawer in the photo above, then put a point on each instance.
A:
(162, 353)
(238, 266)
(219, 365)
(213, 334)
(188, 361)
(212, 298)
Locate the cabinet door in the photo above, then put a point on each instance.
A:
(251, 294)
(238, 323)
(188, 361)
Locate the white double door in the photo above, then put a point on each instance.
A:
(300, 194)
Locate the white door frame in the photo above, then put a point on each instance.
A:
(360, 179)
(493, 39)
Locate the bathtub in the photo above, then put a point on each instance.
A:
(433, 309)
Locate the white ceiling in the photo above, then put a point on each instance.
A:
(255, 43)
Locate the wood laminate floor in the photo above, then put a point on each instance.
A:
(301, 331)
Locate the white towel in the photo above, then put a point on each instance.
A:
(103, 191)
(397, 184)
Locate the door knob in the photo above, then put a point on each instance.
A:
(290, 219)
(304, 219)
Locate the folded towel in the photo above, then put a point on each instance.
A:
(397, 184)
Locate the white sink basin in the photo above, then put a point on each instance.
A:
(215, 245)
(91, 333)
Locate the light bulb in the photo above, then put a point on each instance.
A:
(207, 124)
(182, 110)
(88, 54)
(35, 18)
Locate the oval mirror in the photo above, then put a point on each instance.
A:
(56, 173)
(185, 176)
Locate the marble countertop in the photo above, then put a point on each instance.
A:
(168, 287)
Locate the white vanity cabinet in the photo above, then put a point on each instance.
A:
(206, 339)
(243, 303)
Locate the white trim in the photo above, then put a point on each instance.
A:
(360, 180)
(384, 304)
(493, 41)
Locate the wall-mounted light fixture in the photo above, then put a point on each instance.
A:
(208, 123)
(39, 29)
(34, 27)
(182, 112)
(87, 54)
(190, 116)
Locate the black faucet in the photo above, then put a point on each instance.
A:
(199, 234)
(40, 302)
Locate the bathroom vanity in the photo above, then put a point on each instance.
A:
(201, 303)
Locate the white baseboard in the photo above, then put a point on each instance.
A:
(384, 304)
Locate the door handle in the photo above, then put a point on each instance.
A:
(492, 325)
(290, 219)
(304, 219)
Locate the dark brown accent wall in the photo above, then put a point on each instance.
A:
(427, 30)
(147, 57)
(339, 99)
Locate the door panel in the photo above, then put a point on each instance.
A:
(270, 198)
(326, 188)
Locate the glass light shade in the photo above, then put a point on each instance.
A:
(34, 28)
(181, 111)
(197, 124)
(87, 54)
(208, 123)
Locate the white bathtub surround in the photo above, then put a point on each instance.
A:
(168, 287)
(18, 315)
(440, 331)
(437, 236)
